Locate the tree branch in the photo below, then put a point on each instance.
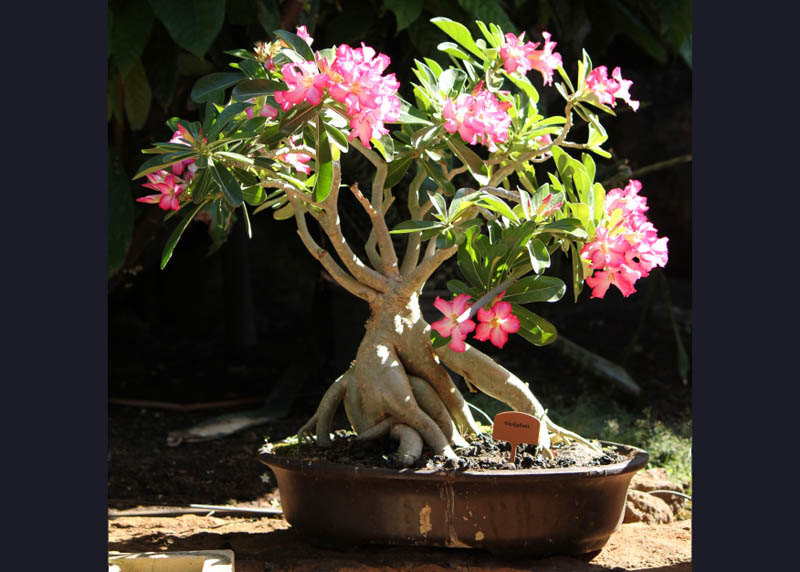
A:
(337, 272)
(333, 228)
(421, 273)
(411, 256)
(388, 254)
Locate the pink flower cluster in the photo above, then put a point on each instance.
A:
(355, 78)
(170, 185)
(479, 117)
(495, 323)
(608, 89)
(622, 254)
(523, 57)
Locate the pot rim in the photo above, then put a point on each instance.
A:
(637, 461)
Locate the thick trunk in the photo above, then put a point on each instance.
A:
(397, 385)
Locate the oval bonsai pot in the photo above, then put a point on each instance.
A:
(570, 511)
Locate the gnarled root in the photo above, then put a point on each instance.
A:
(380, 397)
(496, 381)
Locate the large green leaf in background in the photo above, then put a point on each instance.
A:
(193, 24)
(488, 12)
(405, 11)
(137, 97)
(120, 214)
(129, 32)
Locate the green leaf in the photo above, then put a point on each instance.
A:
(250, 88)
(435, 173)
(120, 214)
(408, 226)
(533, 327)
(454, 51)
(535, 289)
(497, 205)
(474, 163)
(225, 117)
(566, 226)
(129, 33)
(324, 170)
(162, 161)
(524, 84)
(577, 271)
(411, 115)
(173, 239)
(437, 340)
(137, 97)
(230, 187)
(539, 256)
(405, 11)
(460, 34)
(207, 87)
(201, 185)
(268, 14)
(297, 43)
(397, 170)
(337, 137)
(385, 146)
(470, 262)
(193, 24)
(439, 204)
(458, 287)
(298, 117)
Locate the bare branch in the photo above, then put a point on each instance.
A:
(388, 254)
(333, 228)
(411, 256)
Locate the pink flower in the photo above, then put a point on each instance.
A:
(168, 187)
(546, 61)
(296, 160)
(305, 84)
(303, 33)
(478, 117)
(496, 323)
(178, 168)
(266, 110)
(608, 89)
(449, 326)
(629, 250)
(524, 57)
(622, 277)
(370, 98)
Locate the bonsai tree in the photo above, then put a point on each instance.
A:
(276, 143)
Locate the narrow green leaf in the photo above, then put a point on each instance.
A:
(539, 256)
(230, 187)
(201, 185)
(435, 173)
(497, 205)
(208, 86)
(454, 51)
(409, 226)
(173, 239)
(474, 163)
(460, 34)
(533, 327)
(566, 226)
(129, 33)
(224, 118)
(324, 170)
(162, 161)
(524, 84)
(577, 271)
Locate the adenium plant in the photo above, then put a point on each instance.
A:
(275, 144)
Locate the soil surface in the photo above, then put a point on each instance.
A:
(482, 454)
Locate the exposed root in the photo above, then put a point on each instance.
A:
(410, 447)
(431, 404)
(496, 381)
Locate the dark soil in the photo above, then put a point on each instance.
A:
(483, 454)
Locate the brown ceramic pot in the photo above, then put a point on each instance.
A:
(569, 511)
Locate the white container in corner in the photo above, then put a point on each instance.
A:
(190, 561)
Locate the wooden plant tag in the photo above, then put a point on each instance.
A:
(516, 427)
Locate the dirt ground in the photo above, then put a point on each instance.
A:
(261, 544)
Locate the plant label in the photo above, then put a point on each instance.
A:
(516, 427)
